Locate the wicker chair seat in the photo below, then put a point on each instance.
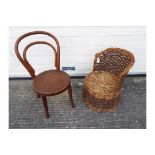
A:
(102, 85)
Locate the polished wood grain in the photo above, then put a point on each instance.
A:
(51, 82)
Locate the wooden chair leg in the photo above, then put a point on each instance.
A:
(70, 95)
(45, 106)
(38, 95)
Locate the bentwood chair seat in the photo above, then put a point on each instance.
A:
(50, 82)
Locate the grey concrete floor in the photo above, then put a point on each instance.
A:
(26, 111)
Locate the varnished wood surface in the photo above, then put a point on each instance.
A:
(51, 82)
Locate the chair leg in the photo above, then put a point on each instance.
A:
(38, 95)
(70, 95)
(45, 106)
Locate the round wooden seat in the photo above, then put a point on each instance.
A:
(51, 82)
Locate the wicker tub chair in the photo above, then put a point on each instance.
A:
(102, 87)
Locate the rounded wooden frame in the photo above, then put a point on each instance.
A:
(31, 70)
(24, 60)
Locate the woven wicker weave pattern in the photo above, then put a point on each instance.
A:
(114, 60)
(102, 87)
(106, 84)
(100, 105)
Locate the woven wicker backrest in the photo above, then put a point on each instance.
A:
(114, 60)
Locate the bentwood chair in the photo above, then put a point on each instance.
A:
(102, 87)
(49, 82)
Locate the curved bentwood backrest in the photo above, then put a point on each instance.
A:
(23, 59)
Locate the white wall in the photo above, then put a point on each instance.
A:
(78, 47)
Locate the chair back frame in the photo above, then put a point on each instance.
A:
(23, 59)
